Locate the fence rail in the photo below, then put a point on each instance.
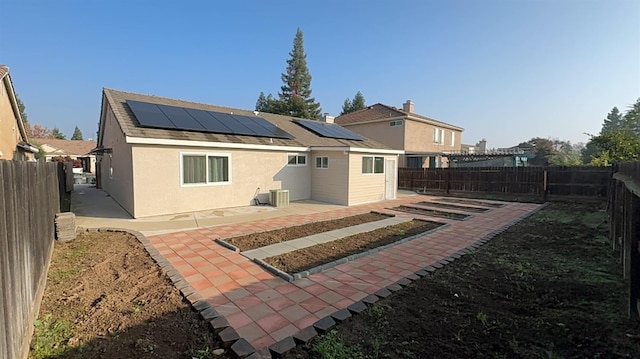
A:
(29, 200)
(535, 182)
(624, 226)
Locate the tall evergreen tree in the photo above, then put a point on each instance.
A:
(613, 122)
(346, 106)
(631, 119)
(294, 98)
(57, 134)
(295, 93)
(23, 113)
(358, 103)
(77, 134)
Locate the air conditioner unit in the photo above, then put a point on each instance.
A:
(279, 197)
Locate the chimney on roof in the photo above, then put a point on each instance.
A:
(408, 106)
(326, 117)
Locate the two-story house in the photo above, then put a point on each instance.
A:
(423, 139)
(14, 143)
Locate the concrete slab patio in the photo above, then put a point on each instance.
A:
(250, 303)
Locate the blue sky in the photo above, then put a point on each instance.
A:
(505, 70)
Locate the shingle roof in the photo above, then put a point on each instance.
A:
(302, 137)
(380, 112)
(67, 147)
(4, 70)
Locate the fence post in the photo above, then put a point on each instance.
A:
(634, 259)
(544, 183)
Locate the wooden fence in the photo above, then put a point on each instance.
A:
(29, 200)
(624, 226)
(531, 182)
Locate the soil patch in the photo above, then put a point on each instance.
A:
(430, 212)
(453, 206)
(549, 287)
(471, 202)
(257, 240)
(310, 257)
(106, 298)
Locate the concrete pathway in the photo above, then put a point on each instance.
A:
(266, 310)
(309, 241)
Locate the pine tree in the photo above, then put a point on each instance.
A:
(295, 93)
(23, 113)
(77, 134)
(631, 119)
(294, 98)
(57, 134)
(358, 103)
(613, 121)
(346, 106)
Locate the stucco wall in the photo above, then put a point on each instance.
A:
(330, 184)
(381, 132)
(159, 188)
(116, 167)
(9, 131)
(419, 137)
(365, 188)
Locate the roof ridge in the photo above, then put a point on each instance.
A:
(187, 101)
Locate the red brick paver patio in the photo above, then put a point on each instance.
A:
(265, 309)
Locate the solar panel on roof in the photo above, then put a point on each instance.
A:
(181, 118)
(190, 119)
(330, 130)
(149, 115)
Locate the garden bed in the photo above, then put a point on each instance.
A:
(106, 298)
(471, 202)
(262, 239)
(310, 257)
(431, 212)
(452, 206)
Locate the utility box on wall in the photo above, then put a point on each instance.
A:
(279, 197)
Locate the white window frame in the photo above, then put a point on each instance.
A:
(206, 155)
(396, 123)
(373, 165)
(298, 156)
(438, 136)
(453, 138)
(324, 162)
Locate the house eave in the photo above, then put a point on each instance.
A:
(187, 143)
(357, 150)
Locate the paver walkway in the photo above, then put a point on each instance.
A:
(265, 309)
(309, 241)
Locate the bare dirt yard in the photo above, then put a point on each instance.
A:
(310, 257)
(257, 240)
(549, 287)
(106, 298)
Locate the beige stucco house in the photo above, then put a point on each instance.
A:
(75, 149)
(423, 139)
(150, 170)
(14, 141)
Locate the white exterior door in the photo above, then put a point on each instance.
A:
(390, 179)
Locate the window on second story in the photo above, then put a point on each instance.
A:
(453, 138)
(438, 135)
(395, 123)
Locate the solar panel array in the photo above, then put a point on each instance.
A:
(190, 119)
(330, 130)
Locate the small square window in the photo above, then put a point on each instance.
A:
(372, 164)
(296, 160)
(322, 162)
